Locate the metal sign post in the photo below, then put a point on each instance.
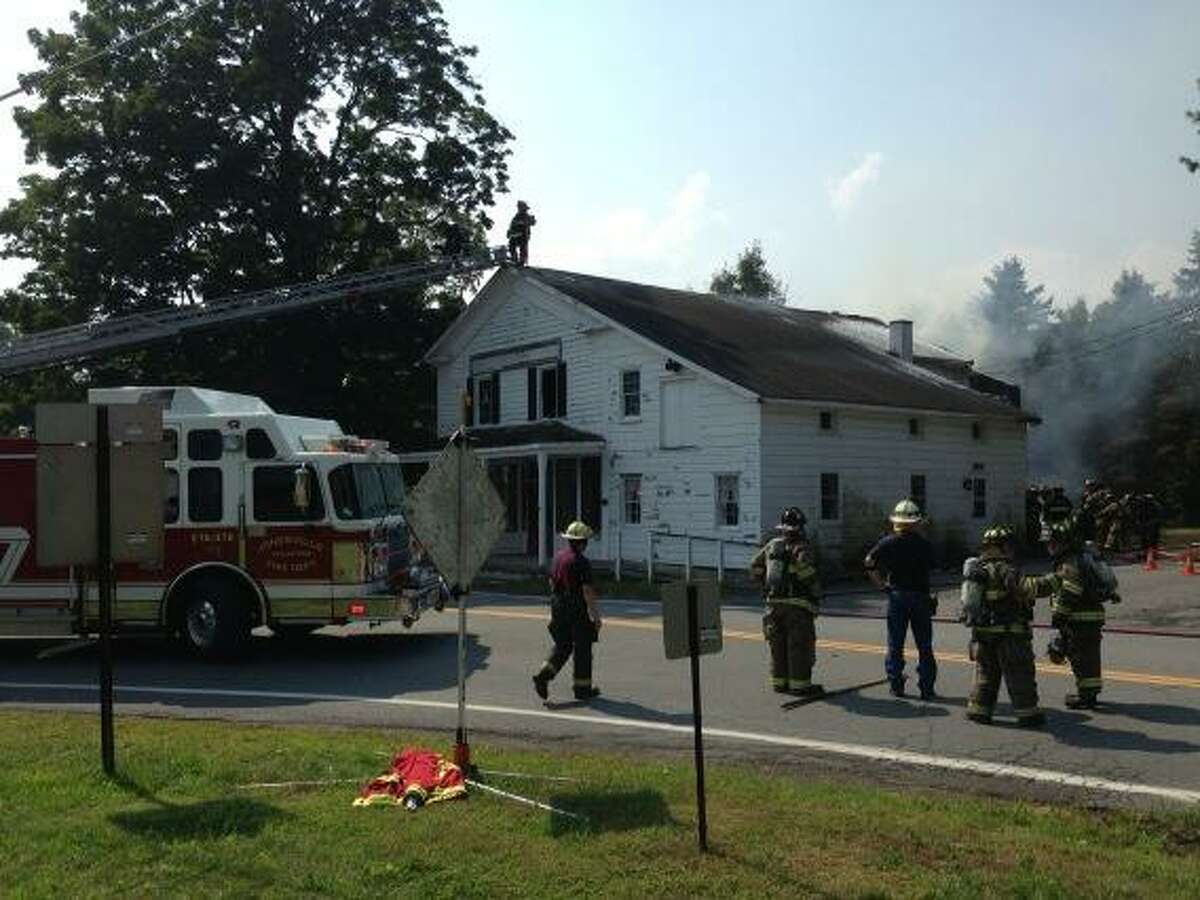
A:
(692, 627)
(694, 651)
(457, 516)
(81, 448)
(104, 573)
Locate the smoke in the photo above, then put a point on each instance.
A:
(1088, 371)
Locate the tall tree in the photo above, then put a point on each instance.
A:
(749, 277)
(260, 144)
(1015, 314)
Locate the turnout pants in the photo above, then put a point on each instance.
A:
(573, 633)
(1083, 651)
(1008, 657)
(792, 636)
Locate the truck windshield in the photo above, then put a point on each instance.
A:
(366, 490)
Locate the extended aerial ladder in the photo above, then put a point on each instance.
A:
(27, 353)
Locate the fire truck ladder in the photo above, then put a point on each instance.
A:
(27, 353)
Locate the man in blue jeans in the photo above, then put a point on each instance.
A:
(900, 564)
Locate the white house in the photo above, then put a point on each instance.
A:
(643, 409)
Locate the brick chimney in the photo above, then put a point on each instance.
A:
(900, 339)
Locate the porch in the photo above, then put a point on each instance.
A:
(548, 475)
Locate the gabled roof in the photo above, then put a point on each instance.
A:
(780, 352)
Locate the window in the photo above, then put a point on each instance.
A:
(916, 428)
(204, 444)
(489, 399)
(826, 420)
(728, 512)
(680, 423)
(977, 431)
(916, 491)
(547, 391)
(980, 509)
(830, 496)
(259, 445)
(171, 496)
(170, 443)
(631, 499)
(367, 490)
(274, 495)
(204, 492)
(631, 393)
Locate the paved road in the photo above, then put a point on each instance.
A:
(1143, 748)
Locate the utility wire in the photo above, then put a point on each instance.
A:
(40, 80)
(1107, 342)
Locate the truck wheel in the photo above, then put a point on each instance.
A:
(215, 618)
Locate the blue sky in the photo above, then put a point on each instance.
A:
(886, 154)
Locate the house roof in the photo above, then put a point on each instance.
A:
(524, 435)
(780, 352)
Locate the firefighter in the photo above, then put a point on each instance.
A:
(1077, 609)
(1001, 638)
(574, 615)
(1148, 512)
(518, 234)
(900, 564)
(793, 592)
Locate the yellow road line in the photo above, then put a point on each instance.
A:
(1121, 675)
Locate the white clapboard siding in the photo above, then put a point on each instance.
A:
(874, 456)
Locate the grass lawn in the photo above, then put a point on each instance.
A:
(176, 823)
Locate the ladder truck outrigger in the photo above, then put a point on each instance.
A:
(269, 519)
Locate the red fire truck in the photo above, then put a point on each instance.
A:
(269, 519)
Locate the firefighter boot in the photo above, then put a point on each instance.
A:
(812, 690)
(541, 682)
(1082, 700)
(896, 686)
(1034, 720)
(586, 693)
(983, 718)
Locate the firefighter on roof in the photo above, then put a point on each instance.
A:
(785, 567)
(999, 611)
(1078, 586)
(518, 234)
(574, 615)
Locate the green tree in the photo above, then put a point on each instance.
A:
(260, 144)
(1014, 313)
(749, 277)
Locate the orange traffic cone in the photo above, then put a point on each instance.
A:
(1151, 563)
(1189, 563)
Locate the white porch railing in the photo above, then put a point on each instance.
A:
(693, 551)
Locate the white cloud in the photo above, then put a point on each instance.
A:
(844, 193)
(626, 240)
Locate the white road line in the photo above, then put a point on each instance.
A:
(859, 751)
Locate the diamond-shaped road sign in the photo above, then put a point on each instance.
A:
(456, 513)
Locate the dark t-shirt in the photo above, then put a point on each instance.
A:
(570, 572)
(905, 559)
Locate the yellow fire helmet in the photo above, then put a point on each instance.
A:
(577, 531)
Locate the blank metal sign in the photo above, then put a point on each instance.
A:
(675, 618)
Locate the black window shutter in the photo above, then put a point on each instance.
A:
(562, 389)
(533, 384)
(496, 399)
(470, 402)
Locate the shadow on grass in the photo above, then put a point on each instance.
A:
(610, 811)
(226, 816)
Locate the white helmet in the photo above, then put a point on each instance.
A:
(906, 513)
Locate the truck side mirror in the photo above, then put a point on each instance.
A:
(302, 488)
